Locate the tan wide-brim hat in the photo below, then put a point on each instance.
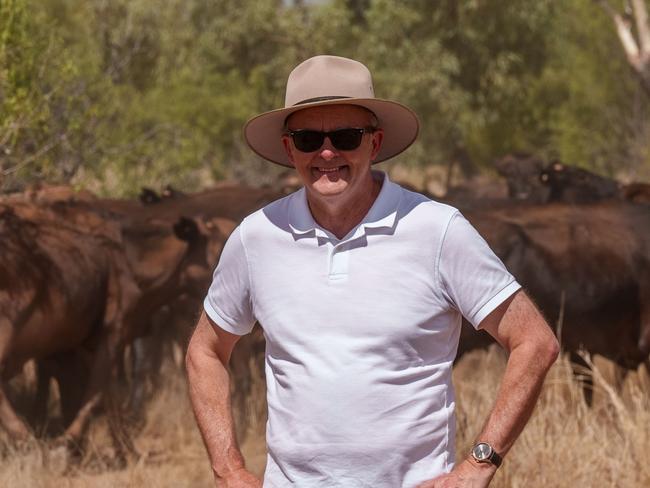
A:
(331, 80)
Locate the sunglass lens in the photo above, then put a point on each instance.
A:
(346, 139)
(308, 140)
(342, 139)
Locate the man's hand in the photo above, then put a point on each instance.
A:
(467, 474)
(240, 478)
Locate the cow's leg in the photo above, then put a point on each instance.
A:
(70, 372)
(100, 373)
(39, 407)
(14, 425)
(644, 322)
(10, 420)
(147, 361)
(72, 377)
(102, 388)
(644, 316)
(141, 371)
(158, 338)
(121, 297)
(119, 425)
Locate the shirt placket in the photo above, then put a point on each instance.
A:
(338, 263)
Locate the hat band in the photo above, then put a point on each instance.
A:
(318, 99)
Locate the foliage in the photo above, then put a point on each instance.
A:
(601, 116)
(123, 93)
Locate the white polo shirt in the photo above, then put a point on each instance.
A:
(361, 334)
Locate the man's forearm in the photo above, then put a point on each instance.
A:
(520, 387)
(520, 329)
(518, 393)
(209, 388)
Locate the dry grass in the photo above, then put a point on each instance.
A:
(566, 444)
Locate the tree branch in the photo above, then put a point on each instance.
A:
(43, 150)
(624, 31)
(642, 27)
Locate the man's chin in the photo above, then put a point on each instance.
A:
(329, 185)
(329, 188)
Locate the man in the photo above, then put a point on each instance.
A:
(359, 286)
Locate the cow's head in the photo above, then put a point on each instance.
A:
(521, 172)
(205, 238)
(551, 172)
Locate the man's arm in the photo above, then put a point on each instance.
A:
(532, 347)
(207, 360)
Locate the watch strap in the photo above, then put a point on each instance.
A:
(495, 458)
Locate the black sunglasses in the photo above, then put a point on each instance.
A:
(347, 139)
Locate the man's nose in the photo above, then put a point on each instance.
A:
(327, 151)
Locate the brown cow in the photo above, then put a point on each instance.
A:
(229, 201)
(60, 287)
(218, 208)
(167, 261)
(171, 322)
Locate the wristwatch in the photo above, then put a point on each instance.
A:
(485, 453)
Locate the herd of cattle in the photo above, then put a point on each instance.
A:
(82, 278)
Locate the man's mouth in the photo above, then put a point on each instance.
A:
(329, 170)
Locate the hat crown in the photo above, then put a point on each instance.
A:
(328, 77)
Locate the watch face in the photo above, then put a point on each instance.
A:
(482, 451)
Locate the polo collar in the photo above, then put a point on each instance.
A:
(382, 214)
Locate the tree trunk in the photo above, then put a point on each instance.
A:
(636, 47)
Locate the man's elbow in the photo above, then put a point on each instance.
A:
(197, 355)
(192, 358)
(539, 347)
(547, 350)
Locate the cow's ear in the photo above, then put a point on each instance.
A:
(186, 229)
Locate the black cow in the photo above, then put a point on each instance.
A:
(588, 264)
(530, 180)
(521, 172)
(576, 185)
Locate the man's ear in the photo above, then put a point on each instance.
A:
(286, 141)
(377, 140)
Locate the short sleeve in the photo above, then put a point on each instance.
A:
(473, 279)
(228, 302)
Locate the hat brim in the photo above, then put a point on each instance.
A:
(263, 133)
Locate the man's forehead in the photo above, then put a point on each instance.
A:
(343, 114)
